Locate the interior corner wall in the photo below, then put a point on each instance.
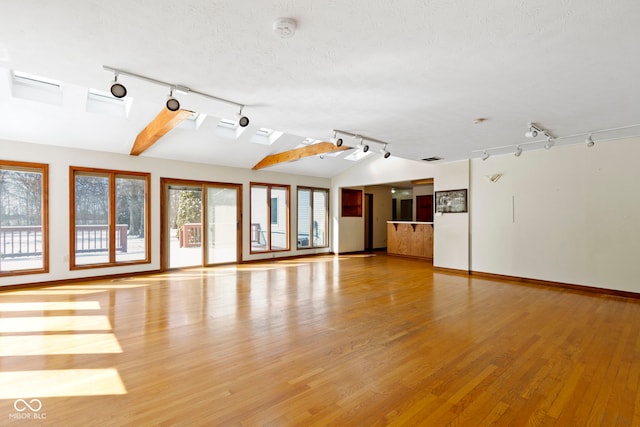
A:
(451, 230)
(568, 214)
(60, 158)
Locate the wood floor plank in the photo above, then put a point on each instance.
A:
(349, 340)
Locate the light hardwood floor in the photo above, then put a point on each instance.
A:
(360, 340)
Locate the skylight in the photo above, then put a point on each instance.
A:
(229, 129)
(36, 88)
(33, 80)
(193, 121)
(104, 103)
(266, 136)
(357, 155)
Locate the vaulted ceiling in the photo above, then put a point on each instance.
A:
(414, 74)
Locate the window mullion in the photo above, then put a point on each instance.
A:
(112, 218)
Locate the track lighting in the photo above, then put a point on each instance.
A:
(589, 141)
(551, 139)
(172, 103)
(117, 89)
(518, 151)
(364, 148)
(533, 130)
(336, 140)
(243, 121)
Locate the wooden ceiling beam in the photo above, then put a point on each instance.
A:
(299, 153)
(425, 181)
(157, 128)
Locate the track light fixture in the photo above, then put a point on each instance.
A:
(364, 147)
(562, 140)
(336, 140)
(243, 121)
(533, 130)
(589, 141)
(117, 89)
(518, 151)
(172, 103)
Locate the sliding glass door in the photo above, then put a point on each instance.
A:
(222, 224)
(200, 223)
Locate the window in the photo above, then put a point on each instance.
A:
(23, 218)
(269, 217)
(109, 217)
(313, 216)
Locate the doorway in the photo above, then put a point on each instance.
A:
(200, 223)
(368, 222)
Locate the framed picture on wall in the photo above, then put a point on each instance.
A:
(451, 201)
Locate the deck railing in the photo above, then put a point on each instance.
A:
(23, 241)
(20, 241)
(95, 238)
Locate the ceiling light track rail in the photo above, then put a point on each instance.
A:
(535, 130)
(119, 91)
(362, 138)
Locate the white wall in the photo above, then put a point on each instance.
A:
(569, 214)
(451, 230)
(59, 159)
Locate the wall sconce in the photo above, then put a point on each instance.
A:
(493, 178)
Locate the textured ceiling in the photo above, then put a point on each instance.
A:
(414, 73)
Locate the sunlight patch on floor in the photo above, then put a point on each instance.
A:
(36, 345)
(49, 306)
(57, 383)
(54, 324)
(53, 291)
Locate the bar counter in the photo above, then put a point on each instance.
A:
(411, 239)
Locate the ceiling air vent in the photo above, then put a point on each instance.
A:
(432, 159)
